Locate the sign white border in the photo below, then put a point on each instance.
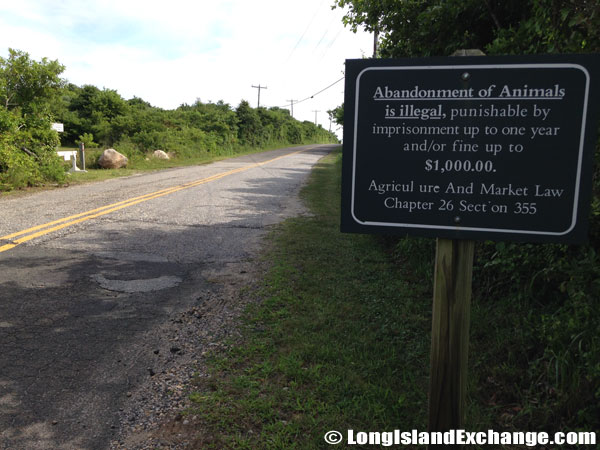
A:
(463, 67)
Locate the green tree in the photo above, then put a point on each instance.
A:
(439, 27)
(101, 113)
(214, 118)
(26, 84)
(249, 124)
(337, 115)
(28, 90)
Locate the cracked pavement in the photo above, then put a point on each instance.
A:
(82, 309)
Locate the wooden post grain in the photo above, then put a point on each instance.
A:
(450, 327)
(450, 333)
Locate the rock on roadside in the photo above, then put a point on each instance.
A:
(160, 154)
(112, 159)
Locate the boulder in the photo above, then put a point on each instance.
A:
(159, 154)
(112, 159)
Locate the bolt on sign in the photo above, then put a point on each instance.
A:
(497, 148)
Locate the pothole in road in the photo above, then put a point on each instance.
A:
(141, 285)
(143, 264)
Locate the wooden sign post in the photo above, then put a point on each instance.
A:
(450, 324)
(458, 149)
(450, 333)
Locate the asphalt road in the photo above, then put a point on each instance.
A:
(83, 300)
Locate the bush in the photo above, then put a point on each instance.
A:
(87, 139)
(536, 317)
(18, 169)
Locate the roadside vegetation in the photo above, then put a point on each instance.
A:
(341, 339)
(33, 96)
(146, 163)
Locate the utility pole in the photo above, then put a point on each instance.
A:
(259, 87)
(375, 42)
(316, 111)
(292, 103)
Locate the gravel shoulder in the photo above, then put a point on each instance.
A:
(152, 417)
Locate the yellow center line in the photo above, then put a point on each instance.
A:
(107, 209)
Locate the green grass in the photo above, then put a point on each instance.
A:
(340, 340)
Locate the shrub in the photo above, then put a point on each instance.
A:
(88, 140)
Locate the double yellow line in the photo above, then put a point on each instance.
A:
(41, 230)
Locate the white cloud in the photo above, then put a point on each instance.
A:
(170, 53)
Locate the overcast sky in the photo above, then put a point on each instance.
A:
(177, 51)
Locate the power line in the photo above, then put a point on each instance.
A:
(307, 27)
(327, 30)
(324, 89)
(331, 43)
(321, 40)
(314, 95)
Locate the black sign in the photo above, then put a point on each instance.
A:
(470, 147)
